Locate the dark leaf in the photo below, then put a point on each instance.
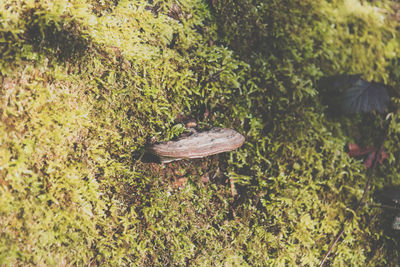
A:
(352, 94)
(363, 96)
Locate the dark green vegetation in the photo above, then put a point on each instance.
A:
(86, 84)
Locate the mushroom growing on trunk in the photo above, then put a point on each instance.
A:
(198, 145)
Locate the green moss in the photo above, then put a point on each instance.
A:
(85, 86)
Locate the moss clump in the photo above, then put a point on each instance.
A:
(85, 85)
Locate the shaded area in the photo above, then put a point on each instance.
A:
(352, 94)
(62, 39)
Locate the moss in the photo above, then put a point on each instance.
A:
(85, 85)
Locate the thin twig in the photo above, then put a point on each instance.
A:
(361, 202)
(382, 206)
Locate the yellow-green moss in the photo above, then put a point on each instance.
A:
(85, 85)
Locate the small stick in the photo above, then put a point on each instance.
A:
(361, 202)
(382, 206)
(233, 188)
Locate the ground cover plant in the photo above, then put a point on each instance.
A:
(86, 85)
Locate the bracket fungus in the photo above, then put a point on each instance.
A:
(198, 145)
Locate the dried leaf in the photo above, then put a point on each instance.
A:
(180, 182)
(356, 151)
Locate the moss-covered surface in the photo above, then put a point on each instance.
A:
(86, 85)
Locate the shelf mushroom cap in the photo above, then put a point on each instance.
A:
(198, 145)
